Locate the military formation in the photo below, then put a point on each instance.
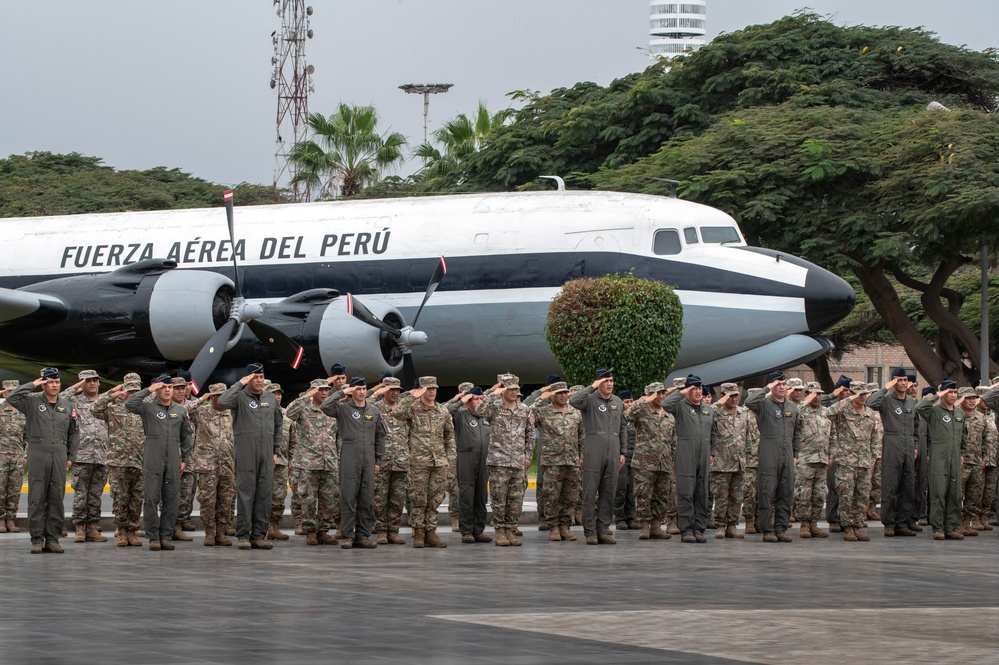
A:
(674, 461)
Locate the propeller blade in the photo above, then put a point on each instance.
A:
(278, 343)
(362, 313)
(408, 371)
(232, 239)
(208, 358)
(438, 275)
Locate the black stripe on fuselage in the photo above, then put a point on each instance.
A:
(468, 273)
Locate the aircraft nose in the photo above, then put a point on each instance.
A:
(828, 299)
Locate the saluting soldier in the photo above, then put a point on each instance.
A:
(188, 480)
(90, 469)
(728, 464)
(899, 451)
(603, 454)
(563, 439)
(453, 496)
(280, 492)
(840, 392)
(52, 440)
(813, 458)
(624, 496)
(256, 424)
(539, 481)
(316, 458)
(749, 507)
(780, 438)
(362, 437)
(471, 438)
(972, 462)
(655, 441)
(990, 453)
(947, 438)
(12, 460)
(695, 440)
(215, 464)
(167, 452)
(392, 481)
(858, 432)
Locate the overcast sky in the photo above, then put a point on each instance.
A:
(185, 83)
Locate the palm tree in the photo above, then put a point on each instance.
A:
(345, 153)
(460, 137)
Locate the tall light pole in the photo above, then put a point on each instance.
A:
(427, 89)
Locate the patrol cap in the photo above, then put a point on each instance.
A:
(392, 382)
(795, 384)
(132, 376)
(428, 381)
(255, 368)
(216, 388)
(814, 387)
(505, 379)
(559, 387)
(625, 394)
(691, 380)
(730, 389)
(50, 373)
(552, 378)
(967, 391)
(575, 389)
(861, 389)
(843, 381)
(603, 373)
(336, 369)
(10, 384)
(929, 390)
(163, 378)
(656, 387)
(948, 384)
(356, 381)
(981, 390)
(679, 382)
(899, 373)
(273, 388)
(178, 381)
(319, 383)
(465, 386)
(132, 382)
(512, 386)
(873, 387)
(88, 374)
(775, 376)
(475, 390)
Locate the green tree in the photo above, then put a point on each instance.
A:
(346, 153)
(630, 325)
(459, 138)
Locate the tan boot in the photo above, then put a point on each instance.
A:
(656, 533)
(805, 530)
(395, 539)
(554, 536)
(978, 524)
(120, 539)
(430, 539)
(861, 536)
(274, 533)
(178, 534)
(850, 534)
(455, 526)
(816, 531)
(983, 521)
(672, 527)
(732, 531)
(720, 533)
(12, 527)
(565, 533)
(501, 538)
(133, 540)
(418, 535)
(511, 535)
(3, 526)
(209, 536)
(311, 538)
(221, 531)
(95, 536)
(644, 531)
(326, 539)
(750, 528)
(382, 538)
(81, 534)
(965, 529)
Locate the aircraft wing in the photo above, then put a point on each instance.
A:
(16, 305)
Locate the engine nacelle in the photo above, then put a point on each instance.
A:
(362, 348)
(182, 309)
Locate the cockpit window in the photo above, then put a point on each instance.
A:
(719, 234)
(690, 235)
(666, 241)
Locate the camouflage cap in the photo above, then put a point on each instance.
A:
(465, 386)
(322, 384)
(132, 382)
(981, 390)
(273, 388)
(10, 384)
(859, 388)
(967, 391)
(559, 387)
(428, 382)
(132, 376)
(392, 382)
(656, 387)
(88, 374)
(216, 388)
(795, 384)
(814, 387)
(178, 381)
(995, 381)
(680, 382)
(512, 386)
(504, 379)
(575, 389)
(730, 389)
(874, 387)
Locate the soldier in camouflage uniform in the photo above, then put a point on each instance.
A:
(562, 440)
(280, 492)
(125, 445)
(840, 392)
(728, 461)
(655, 442)
(990, 453)
(392, 481)
(90, 469)
(432, 450)
(859, 432)
(215, 463)
(973, 462)
(813, 458)
(13, 449)
(749, 507)
(624, 495)
(511, 445)
(315, 454)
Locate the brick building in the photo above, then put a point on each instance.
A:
(869, 364)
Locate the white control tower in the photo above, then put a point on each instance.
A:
(676, 28)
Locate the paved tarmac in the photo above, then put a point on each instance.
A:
(820, 602)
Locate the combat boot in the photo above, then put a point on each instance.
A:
(382, 538)
(3, 526)
(720, 533)
(816, 531)
(154, 545)
(978, 524)
(770, 537)
(983, 520)
(805, 530)
(965, 528)
(81, 534)
(326, 539)
(565, 533)
(889, 532)
(953, 535)
(220, 536)
(644, 531)
(577, 517)
(605, 540)
(782, 537)
(468, 538)
(430, 539)
(672, 527)
(95, 536)
(12, 527)
(120, 540)
(512, 537)
(622, 526)
(53, 547)
(260, 544)
(501, 539)
(688, 538)
(455, 525)
(872, 514)
(209, 536)
(517, 532)
(299, 531)
(850, 534)
(167, 545)
(914, 526)
(732, 531)
(178, 534)
(311, 538)
(418, 539)
(750, 527)
(395, 539)
(133, 541)
(554, 536)
(482, 538)
(861, 536)
(632, 524)
(274, 533)
(655, 533)
(904, 531)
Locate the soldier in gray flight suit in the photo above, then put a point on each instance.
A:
(695, 442)
(256, 425)
(603, 455)
(780, 439)
(947, 436)
(169, 442)
(52, 436)
(362, 435)
(471, 438)
(901, 444)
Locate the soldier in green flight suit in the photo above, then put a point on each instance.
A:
(947, 437)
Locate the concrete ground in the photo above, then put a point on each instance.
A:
(818, 601)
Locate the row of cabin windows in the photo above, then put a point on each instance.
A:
(667, 241)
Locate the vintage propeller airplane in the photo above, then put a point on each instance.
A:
(155, 291)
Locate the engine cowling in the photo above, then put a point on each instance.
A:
(181, 309)
(364, 349)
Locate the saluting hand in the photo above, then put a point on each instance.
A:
(418, 392)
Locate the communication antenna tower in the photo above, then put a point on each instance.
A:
(292, 78)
